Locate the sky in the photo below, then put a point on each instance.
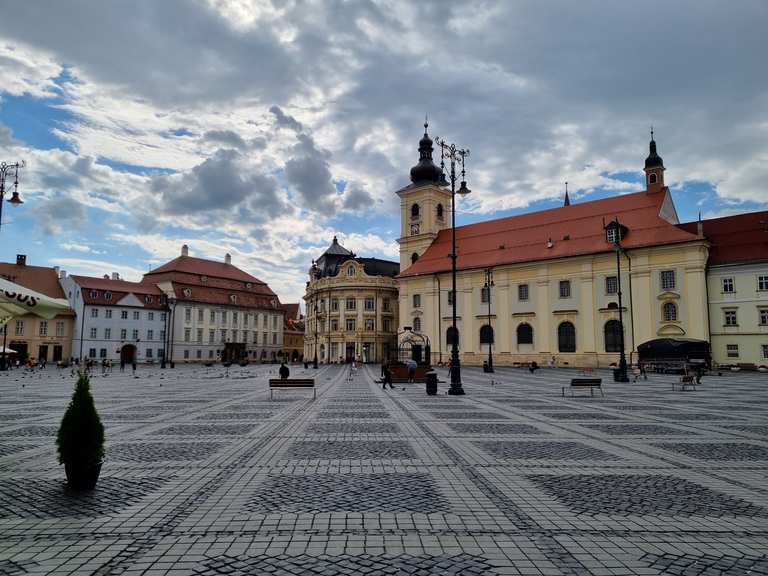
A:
(262, 129)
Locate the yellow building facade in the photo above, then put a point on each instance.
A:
(554, 290)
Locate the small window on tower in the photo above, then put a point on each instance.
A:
(414, 257)
(652, 178)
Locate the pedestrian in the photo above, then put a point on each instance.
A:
(122, 364)
(133, 366)
(553, 362)
(284, 371)
(386, 377)
(411, 364)
(533, 366)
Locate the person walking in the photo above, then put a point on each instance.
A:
(284, 371)
(386, 377)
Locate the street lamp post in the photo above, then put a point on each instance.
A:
(314, 361)
(169, 333)
(454, 155)
(6, 169)
(621, 374)
(488, 285)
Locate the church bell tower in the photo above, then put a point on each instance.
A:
(424, 205)
(654, 169)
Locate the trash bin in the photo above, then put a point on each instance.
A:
(431, 383)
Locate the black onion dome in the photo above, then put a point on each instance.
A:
(425, 170)
(653, 160)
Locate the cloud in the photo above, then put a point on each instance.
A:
(227, 137)
(284, 120)
(57, 215)
(357, 198)
(308, 171)
(85, 267)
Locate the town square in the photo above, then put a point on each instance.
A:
(377, 287)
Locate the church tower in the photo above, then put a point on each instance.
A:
(424, 205)
(654, 169)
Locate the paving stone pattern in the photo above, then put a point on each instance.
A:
(205, 474)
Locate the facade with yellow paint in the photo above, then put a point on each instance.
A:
(555, 284)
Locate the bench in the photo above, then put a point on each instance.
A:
(590, 383)
(292, 384)
(685, 381)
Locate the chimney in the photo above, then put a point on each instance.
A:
(227, 259)
(106, 276)
(115, 276)
(21, 259)
(56, 269)
(185, 250)
(63, 274)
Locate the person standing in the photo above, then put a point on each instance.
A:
(386, 377)
(284, 371)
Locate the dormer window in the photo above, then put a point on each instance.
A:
(615, 232)
(248, 285)
(351, 271)
(612, 235)
(107, 295)
(187, 292)
(93, 294)
(203, 278)
(233, 298)
(148, 299)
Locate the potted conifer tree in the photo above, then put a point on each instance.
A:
(81, 438)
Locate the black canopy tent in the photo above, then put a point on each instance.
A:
(683, 350)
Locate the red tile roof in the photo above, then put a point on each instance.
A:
(737, 239)
(38, 278)
(202, 267)
(292, 310)
(117, 290)
(574, 230)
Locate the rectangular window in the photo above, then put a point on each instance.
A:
(667, 279)
(136, 315)
(565, 288)
(264, 340)
(19, 328)
(94, 312)
(210, 353)
(334, 325)
(187, 314)
(199, 335)
(417, 300)
(94, 333)
(198, 354)
(135, 334)
(223, 335)
(234, 318)
(150, 334)
(762, 282)
(124, 314)
(351, 304)
(274, 337)
(161, 352)
(151, 316)
(212, 317)
(485, 294)
(387, 325)
(107, 333)
(200, 313)
(334, 304)
(149, 353)
(730, 318)
(369, 324)
(274, 322)
(211, 336)
(732, 350)
(123, 334)
(764, 348)
(108, 313)
(223, 316)
(611, 285)
(92, 353)
(43, 327)
(385, 304)
(103, 353)
(162, 335)
(522, 292)
(186, 354)
(763, 316)
(255, 337)
(350, 325)
(187, 334)
(369, 304)
(162, 317)
(728, 285)
(59, 328)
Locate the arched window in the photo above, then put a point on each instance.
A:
(524, 334)
(414, 211)
(414, 257)
(652, 178)
(417, 324)
(439, 211)
(486, 334)
(612, 331)
(670, 312)
(450, 335)
(566, 337)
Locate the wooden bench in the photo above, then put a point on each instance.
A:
(590, 383)
(292, 384)
(685, 381)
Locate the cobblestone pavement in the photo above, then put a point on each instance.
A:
(205, 475)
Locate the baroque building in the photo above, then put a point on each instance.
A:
(555, 280)
(352, 308)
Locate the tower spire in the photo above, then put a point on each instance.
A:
(425, 171)
(654, 167)
(567, 201)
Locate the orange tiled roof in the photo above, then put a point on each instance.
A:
(291, 310)
(574, 230)
(737, 239)
(203, 267)
(118, 289)
(38, 278)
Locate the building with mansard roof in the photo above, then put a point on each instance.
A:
(351, 307)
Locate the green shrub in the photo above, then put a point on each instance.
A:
(81, 435)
